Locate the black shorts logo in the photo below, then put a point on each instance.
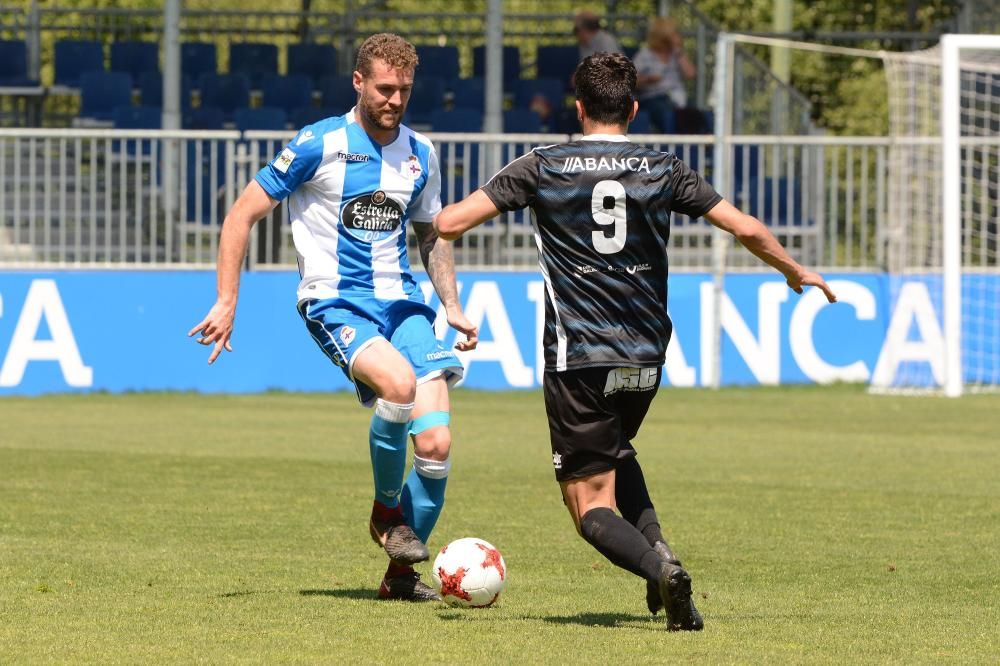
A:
(372, 217)
(630, 379)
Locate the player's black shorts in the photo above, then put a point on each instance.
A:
(593, 415)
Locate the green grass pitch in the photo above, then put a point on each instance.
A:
(819, 525)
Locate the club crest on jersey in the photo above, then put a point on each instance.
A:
(411, 168)
(573, 164)
(372, 217)
(630, 379)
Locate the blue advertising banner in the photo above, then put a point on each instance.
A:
(66, 331)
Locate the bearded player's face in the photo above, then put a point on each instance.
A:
(384, 94)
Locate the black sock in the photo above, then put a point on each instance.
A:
(633, 501)
(620, 542)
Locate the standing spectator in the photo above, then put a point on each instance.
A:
(592, 37)
(663, 67)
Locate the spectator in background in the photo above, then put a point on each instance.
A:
(591, 37)
(663, 67)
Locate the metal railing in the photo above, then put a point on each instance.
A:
(99, 198)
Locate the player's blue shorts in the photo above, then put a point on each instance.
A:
(343, 327)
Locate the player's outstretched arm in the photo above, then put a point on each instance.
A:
(457, 218)
(755, 237)
(217, 326)
(439, 260)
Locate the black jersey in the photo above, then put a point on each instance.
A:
(602, 219)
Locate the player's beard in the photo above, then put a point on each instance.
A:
(382, 117)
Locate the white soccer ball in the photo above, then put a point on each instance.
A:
(469, 572)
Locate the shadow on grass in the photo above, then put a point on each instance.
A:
(346, 593)
(246, 593)
(647, 622)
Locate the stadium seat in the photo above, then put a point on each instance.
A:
(287, 92)
(101, 92)
(630, 51)
(557, 62)
(457, 120)
(693, 121)
(427, 97)
(74, 57)
(469, 94)
(775, 209)
(337, 92)
(198, 58)
(135, 58)
(14, 64)
(262, 118)
(203, 118)
(438, 61)
(151, 90)
(511, 65)
(523, 121)
(137, 117)
(553, 91)
(226, 91)
(253, 59)
(640, 124)
(312, 60)
(202, 189)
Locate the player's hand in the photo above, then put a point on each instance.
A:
(810, 279)
(216, 328)
(458, 321)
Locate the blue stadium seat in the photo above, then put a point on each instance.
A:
(137, 117)
(226, 91)
(427, 97)
(457, 120)
(552, 90)
(775, 209)
(557, 62)
(151, 90)
(74, 57)
(14, 64)
(202, 190)
(262, 118)
(101, 92)
(313, 60)
(203, 118)
(630, 51)
(198, 58)
(469, 94)
(307, 115)
(511, 65)
(253, 59)
(640, 124)
(287, 92)
(438, 61)
(523, 121)
(337, 91)
(135, 58)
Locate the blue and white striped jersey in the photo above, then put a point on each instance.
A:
(349, 200)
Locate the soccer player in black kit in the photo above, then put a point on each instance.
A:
(602, 217)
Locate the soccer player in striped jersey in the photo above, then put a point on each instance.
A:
(602, 210)
(353, 183)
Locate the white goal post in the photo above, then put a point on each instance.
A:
(935, 233)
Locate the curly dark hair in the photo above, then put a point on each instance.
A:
(605, 85)
(391, 49)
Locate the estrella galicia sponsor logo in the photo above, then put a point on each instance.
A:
(352, 157)
(372, 217)
(630, 379)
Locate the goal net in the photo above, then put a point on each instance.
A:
(913, 195)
